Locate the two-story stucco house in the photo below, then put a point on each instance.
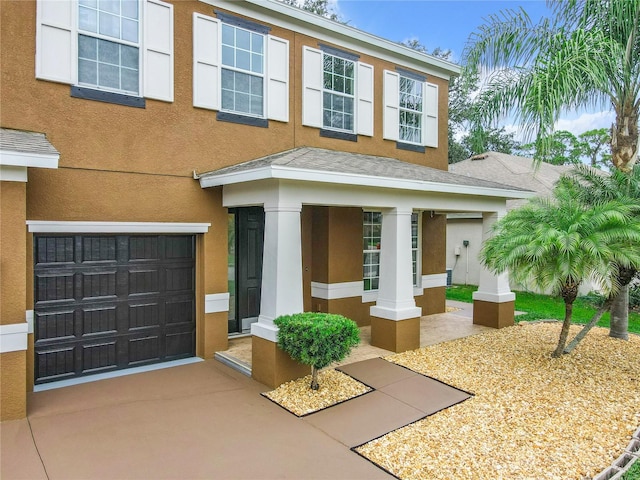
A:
(175, 172)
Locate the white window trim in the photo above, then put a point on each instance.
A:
(263, 75)
(353, 96)
(42, 226)
(56, 52)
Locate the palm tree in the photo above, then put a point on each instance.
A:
(587, 55)
(593, 187)
(556, 243)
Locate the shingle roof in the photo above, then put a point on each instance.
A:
(26, 142)
(511, 169)
(317, 159)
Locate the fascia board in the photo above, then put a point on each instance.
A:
(23, 159)
(324, 29)
(296, 174)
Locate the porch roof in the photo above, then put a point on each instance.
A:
(337, 167)
(26, 149)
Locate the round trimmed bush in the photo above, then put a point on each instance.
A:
(316, 339)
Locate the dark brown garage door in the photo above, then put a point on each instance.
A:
(108, 302)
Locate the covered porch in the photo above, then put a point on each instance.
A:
(322, 252)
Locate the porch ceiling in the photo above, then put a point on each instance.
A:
(318, 165)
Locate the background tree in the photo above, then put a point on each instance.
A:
(556, 243)
(594, 146)
(319, 7)
(587, 55)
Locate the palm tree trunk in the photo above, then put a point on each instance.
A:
(564, 333)
(583, 333)
(314, 378)
(620, 314)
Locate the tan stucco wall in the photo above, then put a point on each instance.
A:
(13, 365)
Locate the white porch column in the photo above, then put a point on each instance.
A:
(493, 302)
(395, 319)
(281, 268)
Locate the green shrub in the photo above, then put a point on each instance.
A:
(316, 339)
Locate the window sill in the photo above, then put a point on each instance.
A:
(410, 147)
(242, 119)
(351, 137)
(107, 97)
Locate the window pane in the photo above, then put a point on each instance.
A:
(256, 63)
(227, 79)
(243, 39)
(108, 52)
(129, 56)
(228, 35)
(87, 72)
(130, 30)
(242, 82)
(87, 47)
(242, 102)
(109, 25)
(256, 86)
(257, 43)
(228, 100)
(130, 8)
(130, 80)
(111, 6)
(228, 56)
(338, 66)
(108, 76)
(88, 19)
(89, 3)
(256, 105)
(243, 60)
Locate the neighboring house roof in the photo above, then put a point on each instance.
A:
(317, 164)
(512, 170)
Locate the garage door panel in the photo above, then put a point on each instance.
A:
(179, 279)
(179, 344)
(95, 285)
(54, 288)
(55, 326)
(179, 310)
(112, 301)
(99, 249)
(54, 250)
(144, 281)
(99, 357)
(55, 364)
(144, 316)
(99, 321)
(144, 350)
(143, 248)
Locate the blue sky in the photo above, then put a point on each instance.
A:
(447, 24)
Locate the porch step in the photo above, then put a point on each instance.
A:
(233, 362)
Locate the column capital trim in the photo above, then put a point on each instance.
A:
(494, 297)
(395, 314)
(264, 328)
(283, 207)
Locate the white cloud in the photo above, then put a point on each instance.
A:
(586, 122)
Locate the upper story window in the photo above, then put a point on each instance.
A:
(108, 45)
(242, 71)
(99, 47)
(410, 115)
(410, 110)
(338, 93)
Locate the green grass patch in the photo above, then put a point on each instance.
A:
(542, 307)
(633, 473)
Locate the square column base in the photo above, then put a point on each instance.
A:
(395, 335)
(272, 366)
(494, 315)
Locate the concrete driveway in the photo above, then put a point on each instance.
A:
(202, 420)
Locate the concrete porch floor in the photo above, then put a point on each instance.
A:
(457, 322)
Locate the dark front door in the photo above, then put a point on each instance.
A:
(108, 302)
(249, 243)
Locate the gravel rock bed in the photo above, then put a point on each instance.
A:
(532, 416)
(334, 387)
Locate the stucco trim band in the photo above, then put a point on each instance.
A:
(334, 291)
(29, 320)
(13, 337)
(434, 280)
(395, 314)
(41, 226)
(494, 297)
(216, 302)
